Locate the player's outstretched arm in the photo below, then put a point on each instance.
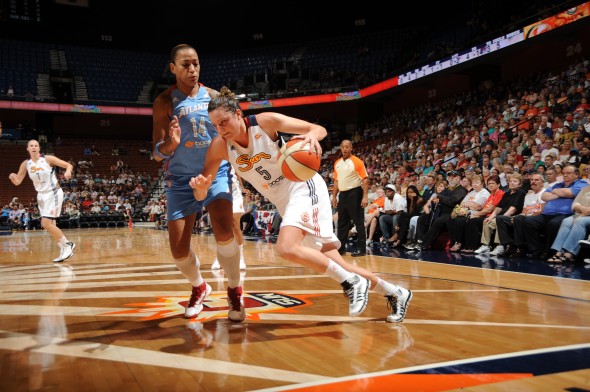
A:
(17, 178)
(215, 155)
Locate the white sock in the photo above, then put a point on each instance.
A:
(229, 259)
(336, 272)
(62, 241)
(386, 288)
(189, 267)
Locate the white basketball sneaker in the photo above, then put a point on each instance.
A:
(356, 288)
(484, 249)
(65, 252)
(398, 305)
(498, 251)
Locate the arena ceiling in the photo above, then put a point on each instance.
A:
(211, 26)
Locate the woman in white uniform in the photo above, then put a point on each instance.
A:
(50, 196)
(306, 237)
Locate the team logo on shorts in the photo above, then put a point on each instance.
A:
(305, 217)
(257, 136)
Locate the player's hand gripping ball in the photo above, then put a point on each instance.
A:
(296, 162)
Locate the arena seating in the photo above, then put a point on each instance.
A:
(13, 154)
(113, 76)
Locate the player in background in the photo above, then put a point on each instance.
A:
(50, 196)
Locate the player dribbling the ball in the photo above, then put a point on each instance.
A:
(297, 162)
(251, 145)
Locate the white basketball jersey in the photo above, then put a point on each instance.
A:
(302, 204)
(43, 175)
(257, 164)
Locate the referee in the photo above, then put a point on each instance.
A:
(350, 180)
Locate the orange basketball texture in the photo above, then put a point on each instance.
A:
(296, 163)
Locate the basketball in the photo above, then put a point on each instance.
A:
(297, 163)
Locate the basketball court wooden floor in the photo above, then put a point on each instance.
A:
(110, 319)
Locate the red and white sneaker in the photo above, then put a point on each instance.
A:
(195, 304)
(235, 302)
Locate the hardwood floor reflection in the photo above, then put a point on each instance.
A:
(111, 319)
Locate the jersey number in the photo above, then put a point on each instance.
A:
(199, 129)
(265, 174)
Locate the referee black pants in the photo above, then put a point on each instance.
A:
(350, 209)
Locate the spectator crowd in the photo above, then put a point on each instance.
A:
(491, 170)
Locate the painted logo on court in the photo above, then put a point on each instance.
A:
(215, 306)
